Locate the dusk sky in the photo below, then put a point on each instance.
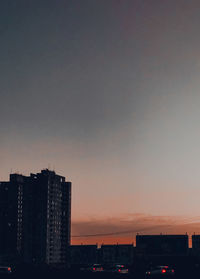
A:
(106, 93)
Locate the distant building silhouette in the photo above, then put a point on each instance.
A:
(35, 218)
(106, 254)
(162, 244)
(196, 242)
(83, 254)
(118, 253)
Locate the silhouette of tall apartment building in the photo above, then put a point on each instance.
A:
(35, 218)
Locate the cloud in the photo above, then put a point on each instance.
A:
(125, 228)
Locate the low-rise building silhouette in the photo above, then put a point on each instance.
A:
(162, 244)
(118, 253)
(196, 243)
(106, 254)
(83, 254)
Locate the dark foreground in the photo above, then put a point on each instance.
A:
(71, 274)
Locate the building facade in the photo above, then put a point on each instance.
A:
(36, 218)
(83, 254)
(117, 253)
(196, 243)
(162, 244)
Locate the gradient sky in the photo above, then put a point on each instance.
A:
(106, 92)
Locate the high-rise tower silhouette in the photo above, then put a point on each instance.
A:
(35, 218)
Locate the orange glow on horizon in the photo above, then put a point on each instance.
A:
(104, 240)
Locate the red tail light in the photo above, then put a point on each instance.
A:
(9, 269)
(94, 268)
(119, 270)
(163, 270)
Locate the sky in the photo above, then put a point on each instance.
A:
(106, 93)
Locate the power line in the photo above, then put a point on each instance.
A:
(102, 234)
(114, 233)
